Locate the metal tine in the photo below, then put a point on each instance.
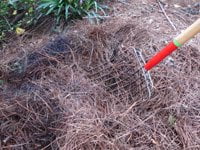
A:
(120, 81)
(124, 86)
(127, 85)
(124, 79)
(120, 94)
(122, 76)
(110, 73)
(103, 66)
(103, 76)
(128, 90)
(107, 65)
(102, 69)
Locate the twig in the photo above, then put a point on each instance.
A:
(7, 22)
(163, 10)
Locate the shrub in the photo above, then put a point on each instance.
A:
(71, 9)
(19, 14)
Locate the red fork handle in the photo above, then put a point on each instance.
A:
(189, 33)
(160, 56)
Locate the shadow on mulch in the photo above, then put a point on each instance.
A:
(30, 115)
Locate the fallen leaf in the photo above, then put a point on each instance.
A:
(19, 31)
(14, 12)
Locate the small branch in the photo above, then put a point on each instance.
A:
(163, 10)
(7, 22)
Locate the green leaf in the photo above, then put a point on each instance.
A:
(46, 3)
(96, 6)
(89, 5)
(58, 19)
(60, 9)
(12, 2)
(102, 10)
(67, 11)
(50, 10)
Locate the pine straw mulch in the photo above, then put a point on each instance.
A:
(48, 102)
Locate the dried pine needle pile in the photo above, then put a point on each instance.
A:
(48, 101)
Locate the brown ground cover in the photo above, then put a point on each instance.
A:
(49, 99)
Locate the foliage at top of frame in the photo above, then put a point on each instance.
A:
(15, 15)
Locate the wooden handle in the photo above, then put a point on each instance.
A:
(189, 33)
